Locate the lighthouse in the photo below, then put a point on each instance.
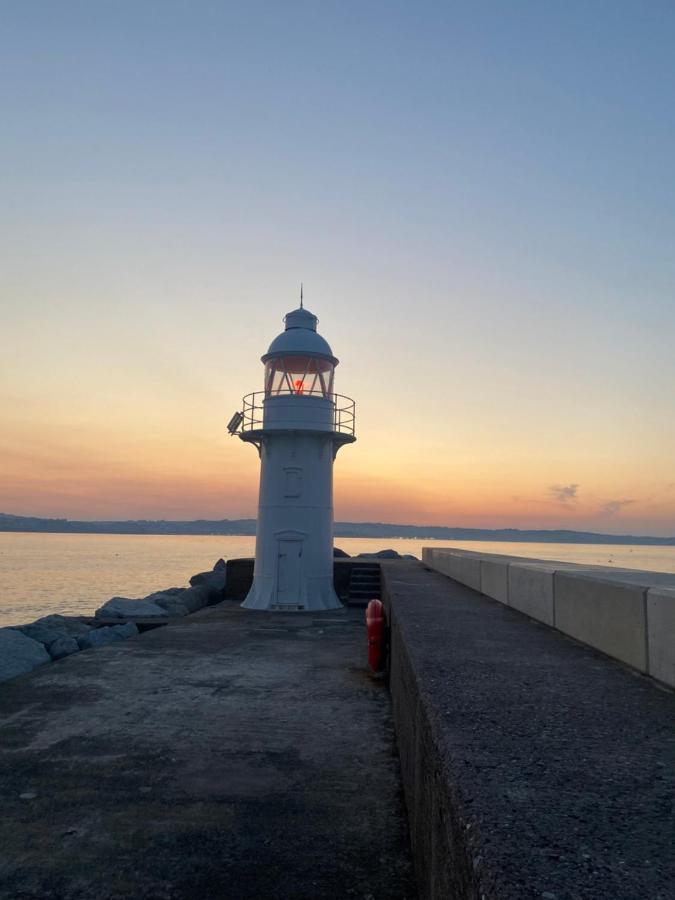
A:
(298, 424)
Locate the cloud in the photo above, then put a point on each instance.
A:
(564, 493)
(615, 506)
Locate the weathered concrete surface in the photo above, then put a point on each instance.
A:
(232, 755)
(533, 767)
(531, 591)
(469, 570)
(604, 613)
(661, 638)
(494, 579)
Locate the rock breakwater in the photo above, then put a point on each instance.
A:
(51, 638)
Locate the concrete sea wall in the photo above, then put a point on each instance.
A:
(627, 614)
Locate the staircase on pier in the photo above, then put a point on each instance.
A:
(364, 584)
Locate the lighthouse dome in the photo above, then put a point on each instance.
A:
(300, 337)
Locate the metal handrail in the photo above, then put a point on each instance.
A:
(344, 410)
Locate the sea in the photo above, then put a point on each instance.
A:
(73, 574)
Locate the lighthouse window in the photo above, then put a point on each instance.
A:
(300, 375)
(293, 486)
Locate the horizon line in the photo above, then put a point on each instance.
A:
(406, 525)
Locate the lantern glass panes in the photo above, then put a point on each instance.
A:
(305, 376)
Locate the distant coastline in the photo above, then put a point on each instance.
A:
(246, 527)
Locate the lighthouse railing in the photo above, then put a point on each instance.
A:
(344, 410)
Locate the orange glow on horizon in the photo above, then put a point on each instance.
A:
(485, 243)
(214, 477)
(148, 440)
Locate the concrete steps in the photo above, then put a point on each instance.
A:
(364, 584)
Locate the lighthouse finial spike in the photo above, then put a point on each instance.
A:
(301, 301)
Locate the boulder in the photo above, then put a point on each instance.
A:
(214, 580)
(68, 624)
(340, 554)
(169, 601)
(194, 598)
(170, 592)
(381, 554)
(181, 601)
(129, 629)
(63, 646)
(99, 637)
(124, 608)
(19, 654)
(50, 628)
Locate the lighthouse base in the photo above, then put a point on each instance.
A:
(314, 595)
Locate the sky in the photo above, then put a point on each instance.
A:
(479, 198)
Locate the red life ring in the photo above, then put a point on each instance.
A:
(375, 627)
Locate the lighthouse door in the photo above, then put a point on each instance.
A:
(289, 562)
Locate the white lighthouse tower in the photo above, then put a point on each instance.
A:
(298, 425)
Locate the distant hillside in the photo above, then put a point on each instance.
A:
(342, 529)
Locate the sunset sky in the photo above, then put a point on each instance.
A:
(478, 196)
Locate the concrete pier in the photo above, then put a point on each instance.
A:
(533, 766)
(250, 755)
(230, 755)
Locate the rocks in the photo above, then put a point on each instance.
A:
(386, 554)
(214, 581)
(124, 608)
(19, 654)
(24, 647)
(170, 601)
(50, 628)
(201, 578)
(54, 637)
(181, 601)
(381, 554)
(99, 637)
(220, 568)
(195, 597)
(205, 588)
(129, 629)
(67, 624)
(63, 646)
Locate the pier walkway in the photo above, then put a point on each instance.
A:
(533, 766)
(232, 755)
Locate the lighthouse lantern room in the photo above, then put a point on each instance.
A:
(298, 425)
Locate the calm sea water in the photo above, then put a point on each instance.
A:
(76, 573)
